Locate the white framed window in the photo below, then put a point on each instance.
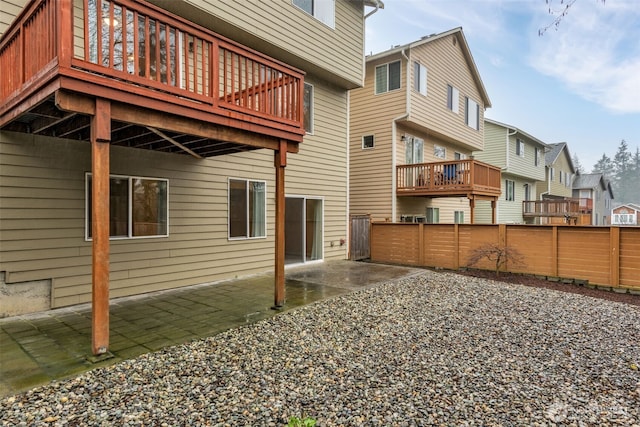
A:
(510, 190)
(247, 209)
(387, 77)
(368, 141)
(472, 114)
(459, 156)
(138, 207)
(537, 157)
(527, 192)
(453, 95)
(458, 217)
(433, 216)
(439, 151)
(307, 108)
(560, 175)
(413, 150)
(552, 174)
(519, 147)
(420, 78)
(322, 10)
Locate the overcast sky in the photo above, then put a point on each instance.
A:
(579, 83)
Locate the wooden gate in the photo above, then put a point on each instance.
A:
(360, 239)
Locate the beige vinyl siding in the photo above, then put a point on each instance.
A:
(561, 165)
(370, 170)
(42, 212)
(320, 168)
(9, 9)
(495, 146)
(446, 65)
(507, 211)
(283, 30)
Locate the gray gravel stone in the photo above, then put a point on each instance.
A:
(434, 349)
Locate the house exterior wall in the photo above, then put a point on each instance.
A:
(283, 30)
(42, 181)
(446, 65)
(554, 186)
(626, 210)
(372, 170)
(495, 145)
(9, 9)
(42, 210)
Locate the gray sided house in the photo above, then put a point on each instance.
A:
(521, 159)
(595, 188)
(413, 127)
(154, 145)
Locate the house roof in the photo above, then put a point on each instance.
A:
(552, 155)
(633, 206)
(520, 131)
(433, 37)
(591, 181)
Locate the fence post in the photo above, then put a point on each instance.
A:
(554, 251)
(421, 244)
(456, 246)
(614, 243)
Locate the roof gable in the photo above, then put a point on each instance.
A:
(464, 46)
(551, 156)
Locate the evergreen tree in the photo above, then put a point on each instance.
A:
(622, 177)
(604, 165)
(576, 164)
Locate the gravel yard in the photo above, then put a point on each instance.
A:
(433, 349)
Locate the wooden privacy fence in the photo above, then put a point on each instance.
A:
(602, 255)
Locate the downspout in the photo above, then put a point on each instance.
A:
(348, 200)
(377, 6)
(394, 159)
(506, 168)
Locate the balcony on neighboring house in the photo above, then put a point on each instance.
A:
(172, 86)
(568, 210)
(458, 178)
(468, 178)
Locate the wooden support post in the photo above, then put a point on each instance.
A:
(472, 207)
(64, 33)
(100, 139)
(280, 164)
(614, 239)
(493, 211)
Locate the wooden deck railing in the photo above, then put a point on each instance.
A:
(552, 207)
(444, 177)
(142, 47)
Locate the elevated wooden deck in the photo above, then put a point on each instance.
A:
(557, 207)
(173, 86)
(458, 178)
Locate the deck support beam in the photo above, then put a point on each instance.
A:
(100, 140)
(280, 164)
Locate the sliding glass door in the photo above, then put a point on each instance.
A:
(303, 229)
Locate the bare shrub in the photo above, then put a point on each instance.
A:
(498, 254)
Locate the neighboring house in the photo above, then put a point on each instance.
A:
(521, 158)
(143, 151)
(627, 214)
(413, 127)
(554, 195)
(594, 191)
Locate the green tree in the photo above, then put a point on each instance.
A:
(577, 164)
(603, 165)
(622, 173)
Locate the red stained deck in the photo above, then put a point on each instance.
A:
(173, 86)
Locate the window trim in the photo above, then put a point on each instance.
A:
(467, 115)
(375, 78)
(537, 157)
(373, 142)
(331, 23)
(439, 149)
(246, 237)
(510, 196)
(312, 91)
(520, 147)
(129, 235)
(420, 78)
(453, 99)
